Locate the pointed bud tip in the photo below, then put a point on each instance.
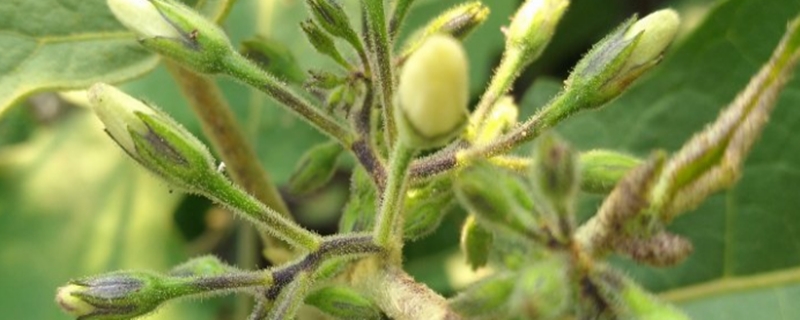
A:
(70, 303)
(117, 111)
(658, 29)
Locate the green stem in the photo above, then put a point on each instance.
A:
(382, 49)
(389, 217)
(560, 108)
(291, 297)
(248, 72)
(222, 191)
(511, 66)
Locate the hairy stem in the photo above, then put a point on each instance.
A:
(382, 54)
(508, 71)
(389, 217)
(248, 72)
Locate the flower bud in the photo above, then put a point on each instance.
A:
(476, 242)
(533, 26)
(274, 56)
(555, 171)
(118, 295)
(208, 265)
(629, 301)
(425, 207)
(433, 93)
(322, 42)
(343, 303)
(315, 168)
(152, 138)
(492, 195)
(176, 31)
(623, 56)
(457, 22)
(331, 16)
(601, 170)
(363, 200)
(542, 290)
(501, 119)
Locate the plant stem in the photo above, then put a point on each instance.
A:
(389, 216)
(220, 126)
(382, 49)
(401, 8)
(248, 72)
(510, 67)
(561, 107)
(264, 217)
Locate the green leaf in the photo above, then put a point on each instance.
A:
(63, 44)
(754, 227)
(73, 204)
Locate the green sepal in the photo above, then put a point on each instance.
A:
(332, 17)
(601, 170)
(202, 46)
(542, 290)
(315, 168)
(630, 301)
(476, 242)
(202, 266)
(274, 56)
(324, 80)
(343, 303)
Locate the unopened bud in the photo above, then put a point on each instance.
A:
(363, 200)
(175, 31)
(152, 138)
(323, 43)
(629, 301)
(118, 295)
(201, 266)
(274, 56)
(343, 303)
(533, 26)
(332, 17)
(542, 290)
(622, 57)
(555, 171)
(476, 242)
(457, 22)
(433, 93)
(425, 207)
(315, 168)
(601, 170)
(501, 119)
(491, 194)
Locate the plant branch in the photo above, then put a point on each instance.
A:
(389, 219)
(382, 50)
(248, 72)
(363, 148)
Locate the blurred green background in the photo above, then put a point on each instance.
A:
(71, 204)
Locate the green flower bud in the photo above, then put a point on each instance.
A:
(324, 80)
(315, 168)
(433, 94)
(476, 242)
(493, 196)
(425, 207)
(274, 56)
(555, 173)
(502, 118)
(601, 170)
(117, 295)
(542, 290)
(359, 213)
(457, 22)
(487, 298)
(343, 303)
(623, 56)
(331, 16)
(153, 139)
(323, 43)
(533, 26)
(176, 31)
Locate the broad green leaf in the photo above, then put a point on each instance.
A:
(63, 44)
(73, 204)
(752, 228)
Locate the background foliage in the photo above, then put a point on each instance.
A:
(71, 204)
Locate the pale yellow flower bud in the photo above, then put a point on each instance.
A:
(142, 17)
